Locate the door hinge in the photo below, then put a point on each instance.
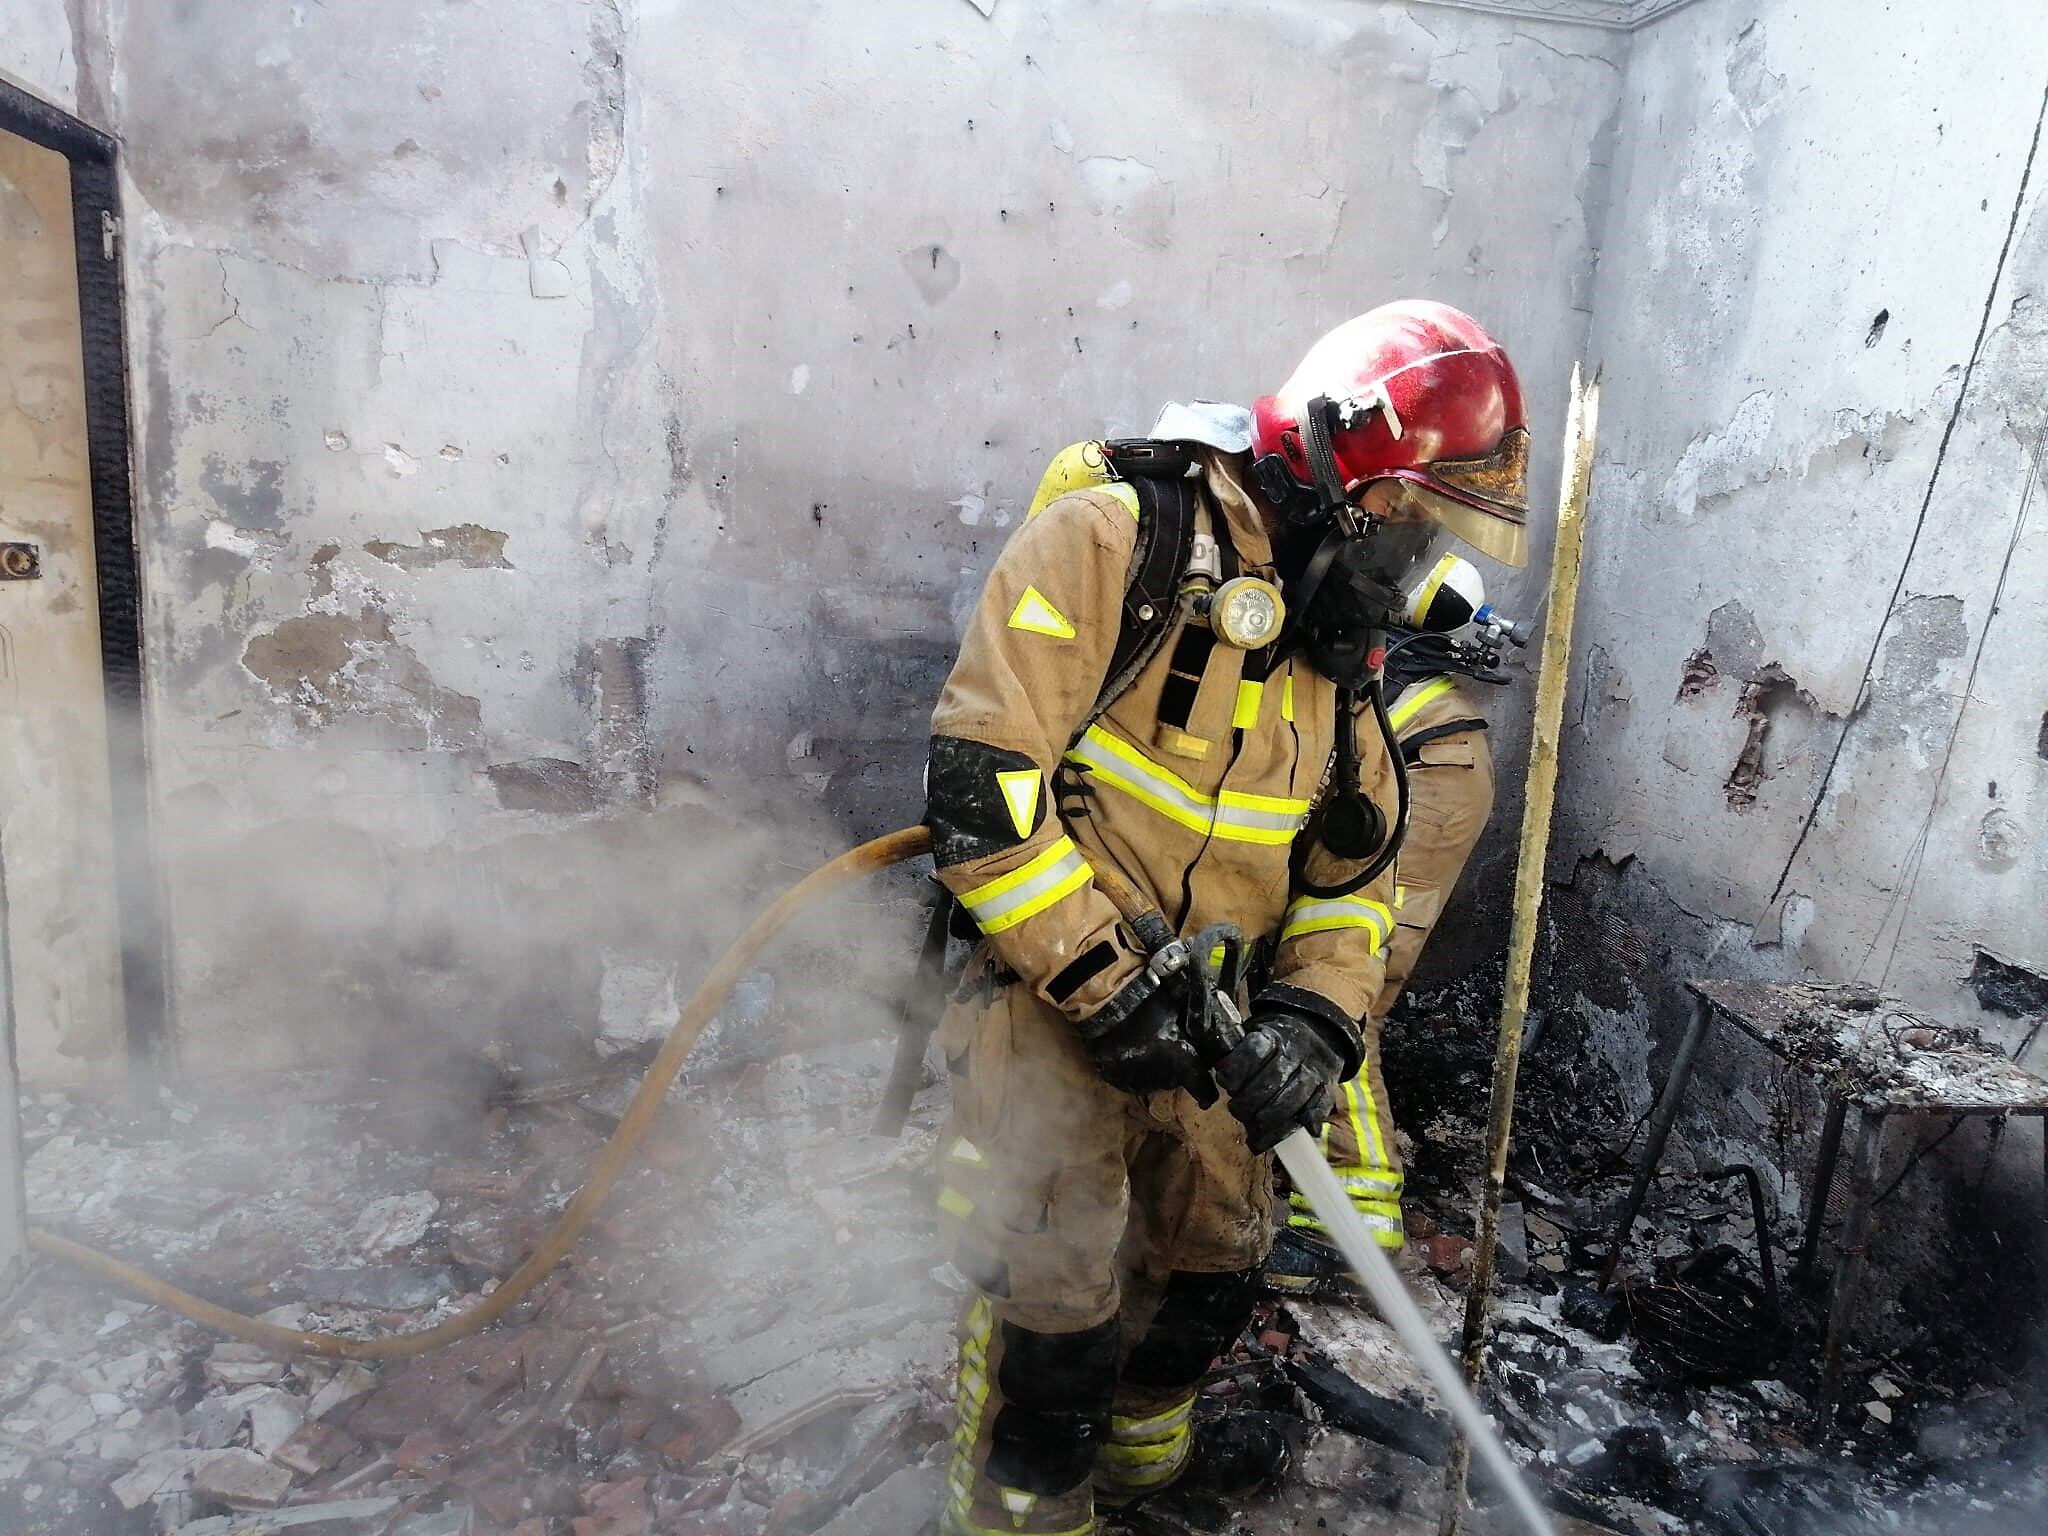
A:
(110, 233)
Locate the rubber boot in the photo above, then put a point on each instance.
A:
(1231, 1453)
(1302, 1264)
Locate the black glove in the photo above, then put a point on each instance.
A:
(1137, 1040)
(1283, 1074)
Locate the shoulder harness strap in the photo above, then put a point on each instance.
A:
(1166, 540)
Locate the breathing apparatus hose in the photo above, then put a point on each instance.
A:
(1344, 780)
(867, 859)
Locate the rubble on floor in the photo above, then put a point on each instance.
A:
(749, 1340)
(755, 1337)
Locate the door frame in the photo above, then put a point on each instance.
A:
(96, 228)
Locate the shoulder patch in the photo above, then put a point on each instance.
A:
(1036, 616)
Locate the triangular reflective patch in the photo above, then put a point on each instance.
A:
(1035, 615)
(1020, 790)
(1018, 1503)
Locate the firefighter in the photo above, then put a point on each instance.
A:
(1110, 1225)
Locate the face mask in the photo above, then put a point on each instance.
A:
(1343, 599)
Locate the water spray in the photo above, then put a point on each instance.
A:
(1219, 1032)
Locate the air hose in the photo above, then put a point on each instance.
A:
(869, 858)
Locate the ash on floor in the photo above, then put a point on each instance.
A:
(755, 1336)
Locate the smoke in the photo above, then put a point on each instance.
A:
(381, 911)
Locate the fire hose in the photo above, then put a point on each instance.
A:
(1220, 1031)
(869, 858)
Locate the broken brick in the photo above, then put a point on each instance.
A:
(708, 1427)
(449, 1389)
(423, 1451)
(616, 1509)
(1447, 1254)
(241, 1480)
(314, 1447)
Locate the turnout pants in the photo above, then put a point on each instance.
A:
(1450, 797)
(1112, 1240)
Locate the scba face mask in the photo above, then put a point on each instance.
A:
(1352, 588)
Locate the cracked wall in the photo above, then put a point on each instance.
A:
(574, 433)
(1807, 726)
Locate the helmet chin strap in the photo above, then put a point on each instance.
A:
(1322, 464)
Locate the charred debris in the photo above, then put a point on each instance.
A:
(756, 1337)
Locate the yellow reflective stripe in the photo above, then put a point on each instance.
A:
(1366, 1205)
(1232, 816)
(1124, 495)
(1359, 1182)
(965, 1151)
(1128, 1431)
(1136, 1456)
(1430, 588)
(1357, 1095)
(1133, 1477)
(1287, 695)
(1028, 890)
(953, 1203)
(1412, 703)
(973, 1385)
(970, 1397)
(1308, 915)
(1385, 1232)
(1246, 715)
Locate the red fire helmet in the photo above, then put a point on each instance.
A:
(1418, 393)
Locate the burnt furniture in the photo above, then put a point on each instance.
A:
(1868, 1053)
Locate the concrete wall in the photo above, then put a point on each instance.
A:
(565, 429)
(1809, 728)
(40, 44)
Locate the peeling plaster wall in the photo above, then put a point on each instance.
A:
(565, 428)
(1809, 720)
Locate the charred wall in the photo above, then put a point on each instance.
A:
(1804, 740)
(569, 436)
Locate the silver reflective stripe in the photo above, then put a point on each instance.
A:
(1345, 912)
(1179, 803)
(1027, 896)
(1123, 767)
(1229, 815)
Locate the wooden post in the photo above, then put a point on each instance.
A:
(1580, 429)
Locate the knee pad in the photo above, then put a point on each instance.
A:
(1056, 1389)
(1199, 1317)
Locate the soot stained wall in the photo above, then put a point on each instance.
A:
(570, 434)
(1806, 735)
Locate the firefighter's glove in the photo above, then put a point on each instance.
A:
(1138, 1042)
(1283, 1074)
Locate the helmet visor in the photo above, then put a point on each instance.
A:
(1484, 501)
(1488, 532)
